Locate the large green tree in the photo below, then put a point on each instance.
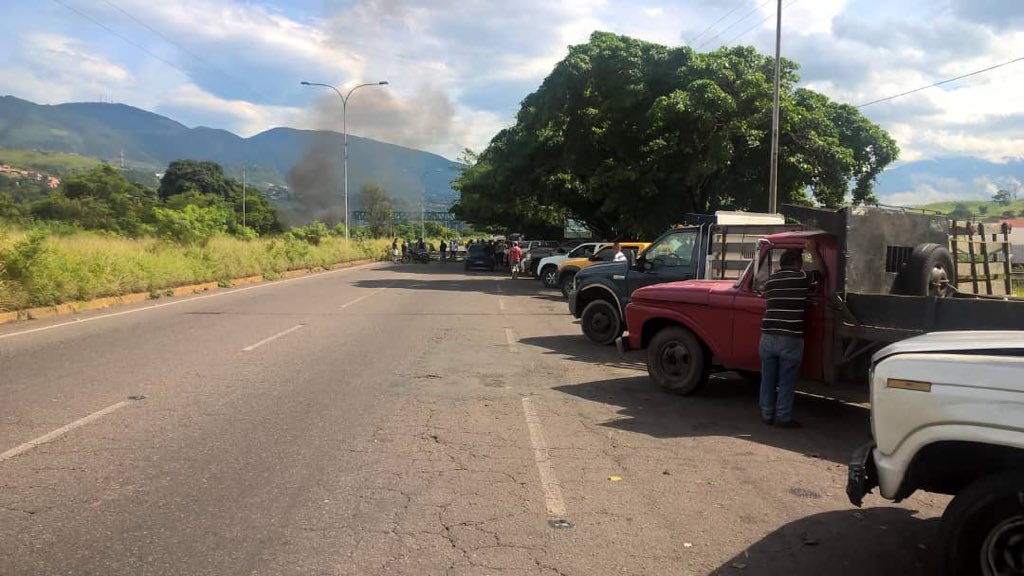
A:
(628, 136)
(185, 175)
(378, 208)
(203, 184)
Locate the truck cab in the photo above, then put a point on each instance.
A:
(716, 246)
(947, 416)
(880, 275)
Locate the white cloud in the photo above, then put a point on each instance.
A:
(459, 69)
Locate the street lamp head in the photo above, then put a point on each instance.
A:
(383, 83)
(304, 83)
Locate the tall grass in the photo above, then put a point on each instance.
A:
(40, 269)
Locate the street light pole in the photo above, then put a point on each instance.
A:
(773, 179)
(344, 131)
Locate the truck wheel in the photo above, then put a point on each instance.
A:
(565, 283)
(982, 529)
(677, 361)
(929, 272)
(601, 322)
(549, 276)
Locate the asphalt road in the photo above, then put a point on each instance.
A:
(409, 419)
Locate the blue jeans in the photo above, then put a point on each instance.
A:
(781, 357)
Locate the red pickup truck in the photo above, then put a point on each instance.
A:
(887, 275)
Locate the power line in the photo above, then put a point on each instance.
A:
(715, 23)
(183, 48)
(751, 29)
(135, 44)
(126, 39)
(941, 82)
(731, 26)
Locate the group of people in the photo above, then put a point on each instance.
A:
(400, 250)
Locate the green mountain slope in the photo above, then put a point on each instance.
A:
(309, 162)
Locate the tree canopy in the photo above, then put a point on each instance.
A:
(628, 136)
(378, 209)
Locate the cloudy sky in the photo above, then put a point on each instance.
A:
(458, 69)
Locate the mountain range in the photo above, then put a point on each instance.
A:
(307, 162)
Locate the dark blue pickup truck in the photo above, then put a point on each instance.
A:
(716, 245)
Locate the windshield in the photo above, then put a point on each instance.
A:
(582, 251)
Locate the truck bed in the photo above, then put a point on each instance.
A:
(888, 318)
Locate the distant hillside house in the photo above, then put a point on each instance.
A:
(52, 182)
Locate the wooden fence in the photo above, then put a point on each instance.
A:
(983, 258)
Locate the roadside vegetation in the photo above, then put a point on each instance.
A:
(100, 235)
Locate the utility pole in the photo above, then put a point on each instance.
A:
(773, 179)
(243, 194)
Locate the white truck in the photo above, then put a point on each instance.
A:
(547, 270)
(947, 416)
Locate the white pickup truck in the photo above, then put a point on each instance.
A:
(547, 270)
(947, 416)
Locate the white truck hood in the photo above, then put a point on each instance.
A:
(956, 341)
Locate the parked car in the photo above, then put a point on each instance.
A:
(567, 270)
(947, 416)
(548, 267)
(707, 246)
(478, 256)
(886, 276)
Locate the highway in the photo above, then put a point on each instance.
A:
(408, 419)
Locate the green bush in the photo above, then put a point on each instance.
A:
(41, 268)
(192, 225)
(311, 233)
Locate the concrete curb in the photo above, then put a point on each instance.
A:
(135, 298)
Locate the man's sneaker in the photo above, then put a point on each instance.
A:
(789, 424)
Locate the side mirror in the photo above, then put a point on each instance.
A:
(595, 258)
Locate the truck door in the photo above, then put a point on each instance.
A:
(670, 259)
(750, 307)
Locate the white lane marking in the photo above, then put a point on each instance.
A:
(274, 337)
(498, 288)
(510, 337)
(501, 304)
(548, 480)
(62, 431)
(79, 321)
(363, 297)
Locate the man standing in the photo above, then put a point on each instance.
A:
(782, 337)
(515, 258)
(443, 249)
(620, 256)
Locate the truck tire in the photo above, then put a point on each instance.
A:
(929, 272)
(983, 527)
(601, 322)
(565, 284)
(677, 361)
(549, 276)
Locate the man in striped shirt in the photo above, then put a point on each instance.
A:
(782, 338)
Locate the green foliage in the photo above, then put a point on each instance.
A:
(960, 211)
(983, 209)
(311, 233)
(50, 163)
(185, 175)
(191, 225)
(1004, 197)
(100, 199)
(627, 136)
(378, 209)
(45, 269)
